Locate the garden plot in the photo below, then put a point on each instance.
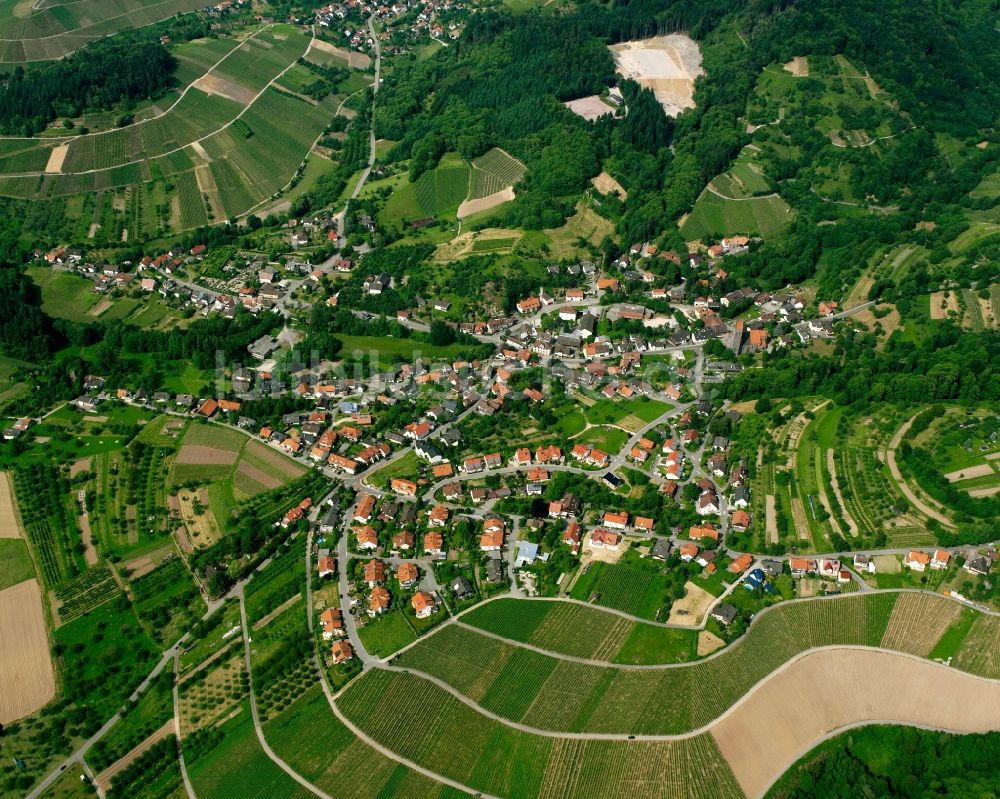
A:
(668, 65)
(858, 686)
(27, 680)
(691, 609)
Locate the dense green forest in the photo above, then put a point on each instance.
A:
(121, 69)
(503, 83)
(896, 762)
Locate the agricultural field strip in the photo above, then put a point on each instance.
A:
(984, 682)
(180, 148)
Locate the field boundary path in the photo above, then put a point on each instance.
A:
(256, 716)
(909, 493)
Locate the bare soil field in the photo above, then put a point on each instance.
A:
(182, 540)
(984, 492)
(606, 184)
(461, 246)
(275, 460)
(825, 691)
(258, 475)
(202, 529)
(942, 302)
(799, 515)
(82, 465)
(198, 455)
(798, 66)
(887, 564)
(590, 108)
(708, 643)
(9, 527)
(352, 59)
(220, 86)
(917, 623)
(87, 538)
(969, 472)
(56, 158)
(668, 65)
(859, 293)
(101, 307)
(692, 608)
(27, 680)
(470, 207)
(771, 519)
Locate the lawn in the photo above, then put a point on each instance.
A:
(362, 347)
(606, 411)
(406, 466)
(65, 295)
(608, 439)
(387, 634)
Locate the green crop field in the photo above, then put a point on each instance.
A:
(45, 31)
(420, 721)
(493, 171)
(15, 562)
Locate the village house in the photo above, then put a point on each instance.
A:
(332, 622)
(604, 539)
(407, 574)
(375, 573)
(341, 651)
(378, 601)
(423, 604)
(917, 561)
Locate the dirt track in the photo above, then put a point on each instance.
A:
(9, 527)
(829, 690)
(919, 504)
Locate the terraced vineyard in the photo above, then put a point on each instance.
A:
(227, 144)
(550, 694)
(440, 191)
(420, 721)
(493, 171)
(580, 631)
(43, 31)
